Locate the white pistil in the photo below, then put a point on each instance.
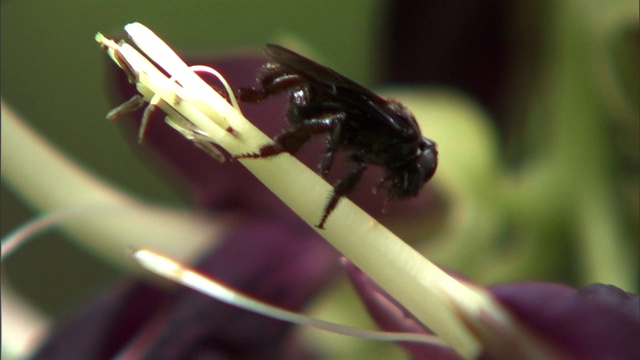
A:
(183, 96)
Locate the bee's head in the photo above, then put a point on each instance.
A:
(407, 179)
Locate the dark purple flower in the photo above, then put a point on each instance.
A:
(270, 254)
(270, 260)
(595, 322)
(392, 316)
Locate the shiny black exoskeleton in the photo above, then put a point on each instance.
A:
(375, 131)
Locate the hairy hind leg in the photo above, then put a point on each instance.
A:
(343, 187)
(291, 140)
(325, 117)
(331, 147)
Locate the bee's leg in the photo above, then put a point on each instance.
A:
(332, 142)
(343, 187)
(325, 117)
(291, 140)
(273, 81)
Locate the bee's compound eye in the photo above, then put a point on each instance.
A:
(428, 159)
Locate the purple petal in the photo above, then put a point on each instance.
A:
(267, 259)
(596, 322)
(99, 330)
(392, 316)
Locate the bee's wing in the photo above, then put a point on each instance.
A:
(347, 91)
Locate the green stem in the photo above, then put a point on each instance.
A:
(49, 181)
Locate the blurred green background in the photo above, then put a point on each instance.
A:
(52, 74)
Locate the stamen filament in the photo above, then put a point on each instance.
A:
(171, 269)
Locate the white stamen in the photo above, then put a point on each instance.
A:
(225, 83)
(156, 49)
(186, 276)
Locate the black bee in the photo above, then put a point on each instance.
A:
(374, 130)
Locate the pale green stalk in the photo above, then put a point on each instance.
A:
(28, 326)
(101, 217)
